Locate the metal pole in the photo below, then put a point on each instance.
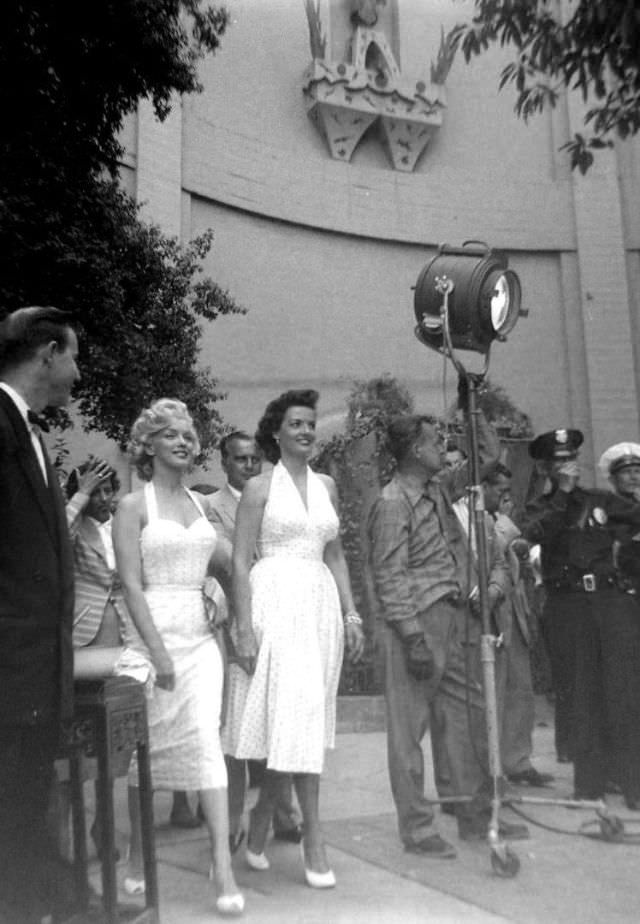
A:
(488, 640)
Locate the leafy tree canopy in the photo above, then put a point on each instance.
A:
(587, 45)
(69, 236)
(67, 78)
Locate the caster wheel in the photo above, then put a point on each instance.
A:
(611, 829)
(504, 862)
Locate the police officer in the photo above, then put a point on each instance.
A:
(593, 625)
(621, 465)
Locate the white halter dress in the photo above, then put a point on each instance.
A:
(184, 723)
(290, 711)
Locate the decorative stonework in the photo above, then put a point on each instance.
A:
(344, 98)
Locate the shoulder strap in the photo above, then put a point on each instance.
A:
(150, 500)
(196, 502)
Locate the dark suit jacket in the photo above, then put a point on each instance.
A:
(36, 583)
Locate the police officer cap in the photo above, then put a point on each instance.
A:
(556, 444)
(618, 457)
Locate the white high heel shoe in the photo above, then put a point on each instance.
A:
(134, 885)
(257, 861)
(230, 905)
(317, 880)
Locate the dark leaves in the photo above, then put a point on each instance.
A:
(595, 51)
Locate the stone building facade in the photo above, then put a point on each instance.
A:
(323, 247)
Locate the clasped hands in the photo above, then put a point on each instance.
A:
(247, 647)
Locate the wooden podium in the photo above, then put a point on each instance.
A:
(110, 722)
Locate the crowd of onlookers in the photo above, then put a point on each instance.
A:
(234, 608)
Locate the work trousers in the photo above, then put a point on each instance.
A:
(606, 732)
(560, 626)
(516, 704)
(452, 702)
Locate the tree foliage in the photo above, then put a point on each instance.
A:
(594, 50)
(499, 409)
(69, 76)
(69, 236)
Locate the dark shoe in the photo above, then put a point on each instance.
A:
(506, 829)
(433, 846)
(530, 777)
(290, 835)
(448, 808)
(579, 796)
(184, 818)
(235, 840)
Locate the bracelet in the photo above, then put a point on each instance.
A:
(351, 618)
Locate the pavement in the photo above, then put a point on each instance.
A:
(567, 872)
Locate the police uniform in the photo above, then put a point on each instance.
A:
(618, 457)
(592, 624)
(627, 554)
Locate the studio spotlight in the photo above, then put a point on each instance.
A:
(465, 298)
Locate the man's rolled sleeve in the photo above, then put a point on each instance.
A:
(389, 523)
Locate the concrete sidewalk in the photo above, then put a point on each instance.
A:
(564, 877)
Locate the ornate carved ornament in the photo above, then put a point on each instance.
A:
(344, 98)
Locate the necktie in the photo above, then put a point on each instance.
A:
(37, 421)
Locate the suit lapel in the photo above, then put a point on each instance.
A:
(28, 461)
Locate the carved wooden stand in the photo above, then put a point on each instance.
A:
(110, 721)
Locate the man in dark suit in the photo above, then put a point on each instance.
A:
(38, 351)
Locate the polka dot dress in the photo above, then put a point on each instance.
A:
(290, 710)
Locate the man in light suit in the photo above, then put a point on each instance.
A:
(100, 610)
(241, 460)
(38, 352)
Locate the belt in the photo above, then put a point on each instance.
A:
(586, 583)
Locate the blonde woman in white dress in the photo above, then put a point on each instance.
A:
(164, 544)
(294, 610)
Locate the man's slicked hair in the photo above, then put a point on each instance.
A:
(24, 331)
(226, 441)
(404, 431)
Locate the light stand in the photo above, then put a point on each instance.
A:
(487, 310)
(503, 859)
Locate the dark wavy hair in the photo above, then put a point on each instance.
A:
(23, 331)
(271, 420)
(72, 481)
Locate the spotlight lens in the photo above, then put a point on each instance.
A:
(500, 303)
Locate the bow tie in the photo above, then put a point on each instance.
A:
(37, 421)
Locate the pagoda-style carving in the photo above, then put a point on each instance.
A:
(344, 98)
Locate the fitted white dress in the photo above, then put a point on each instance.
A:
(184, 723)
(290, 711)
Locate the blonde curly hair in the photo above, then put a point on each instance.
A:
(152, 420)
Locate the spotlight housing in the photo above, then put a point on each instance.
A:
(483, 300)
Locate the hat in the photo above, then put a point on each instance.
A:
(619, 456)
(556, 444)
